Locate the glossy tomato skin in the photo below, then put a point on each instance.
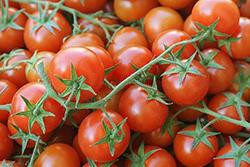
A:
(176, 4)
(143, 115)
(223, 126)
(229, 162)
(11, 38)
(244, 9)
(128, 56)
(33, 92)
(6, 144)
(7, 89)
(127, 36)
(193, 89)
(226, 10)
(199, 156)
(16, 76)
(161, 19)
(160, 158)
(136, 9)
(91, 131)
(58, 154)
(44, 40)
(88, 6)
(220, 79)
(240, 48)
(82, 40)
(86, 64)
(42, 57)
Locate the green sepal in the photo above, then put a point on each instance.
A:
(208, 61)
(227, 43)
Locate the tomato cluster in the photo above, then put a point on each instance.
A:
(133, 83)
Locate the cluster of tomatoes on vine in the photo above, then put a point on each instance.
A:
(134, 83)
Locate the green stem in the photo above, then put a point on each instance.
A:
(6, 107)
(32, 159)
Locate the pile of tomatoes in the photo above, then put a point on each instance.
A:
(133, 83)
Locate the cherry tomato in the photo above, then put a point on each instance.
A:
(86, 64)
(143, 115)
(6, 144)
(201, 155)
(127, 36)
(161, 19)
(207, 12)
(136, 9)
(91, 131)
(244, 9)
(43, 39)
(16, 75)
(33, 92)
(83, 40)
(7, 91)
(193, 88)
(78, 150)
(12, 38)
(32, 69)
(86, 6)
(176, 4)
(58, 154)
(220, 79)
(223, 126)
(240, 48)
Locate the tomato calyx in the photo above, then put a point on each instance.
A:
(7, 21)
(168, 126)
(144, 76)
(236, 101)
(227, 43)
(208, 61)
(200, 135)
(237, 153)
(7, 164)
(243, 80)
(35, 113)
(32, 62)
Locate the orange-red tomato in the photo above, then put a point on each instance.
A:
(86, 6)
(176, 4)
(6, 144)
(244, 9)
(78, 150)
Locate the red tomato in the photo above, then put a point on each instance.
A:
(161, 19)
(78, 150)
(240, 48)
(16, 75)
(143, 115)
(33, 92)
(193, 88)
(201, 155)
(6, 144)
(11, 4)
(7, 91)
(12, 38)
(83, 40)
(77, 117)
(223, 126)
(97, 165)
(244, 9)
(32, 69)
(86, 6)
(91, 131)
(43, 39)
(176, 4)
(220, 79)
(160, 158)
(207, 12)
(130, 10)
(58, 154)
(86, 64)
(127, 36)
(32, 7)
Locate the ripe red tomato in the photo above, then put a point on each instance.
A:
(207, 12)
(130, 10)
(31, 70)
(78, 150)
(160, 158)
(244, 9)
(220, 79)
(201, 155)
(43, 39)
(176, 4)
(58, 154)
(32, 7)
(127, 36)
(193, 88)
(223, 126)
(33, 92)
(86, 6)
(16, 75)
(76, 116)
(83, 40)
(161, 19)
(7, 91)
(12, 38)
(240, 48)
(143, 115)
(91, 131)
(6, 144)
(86, 64)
